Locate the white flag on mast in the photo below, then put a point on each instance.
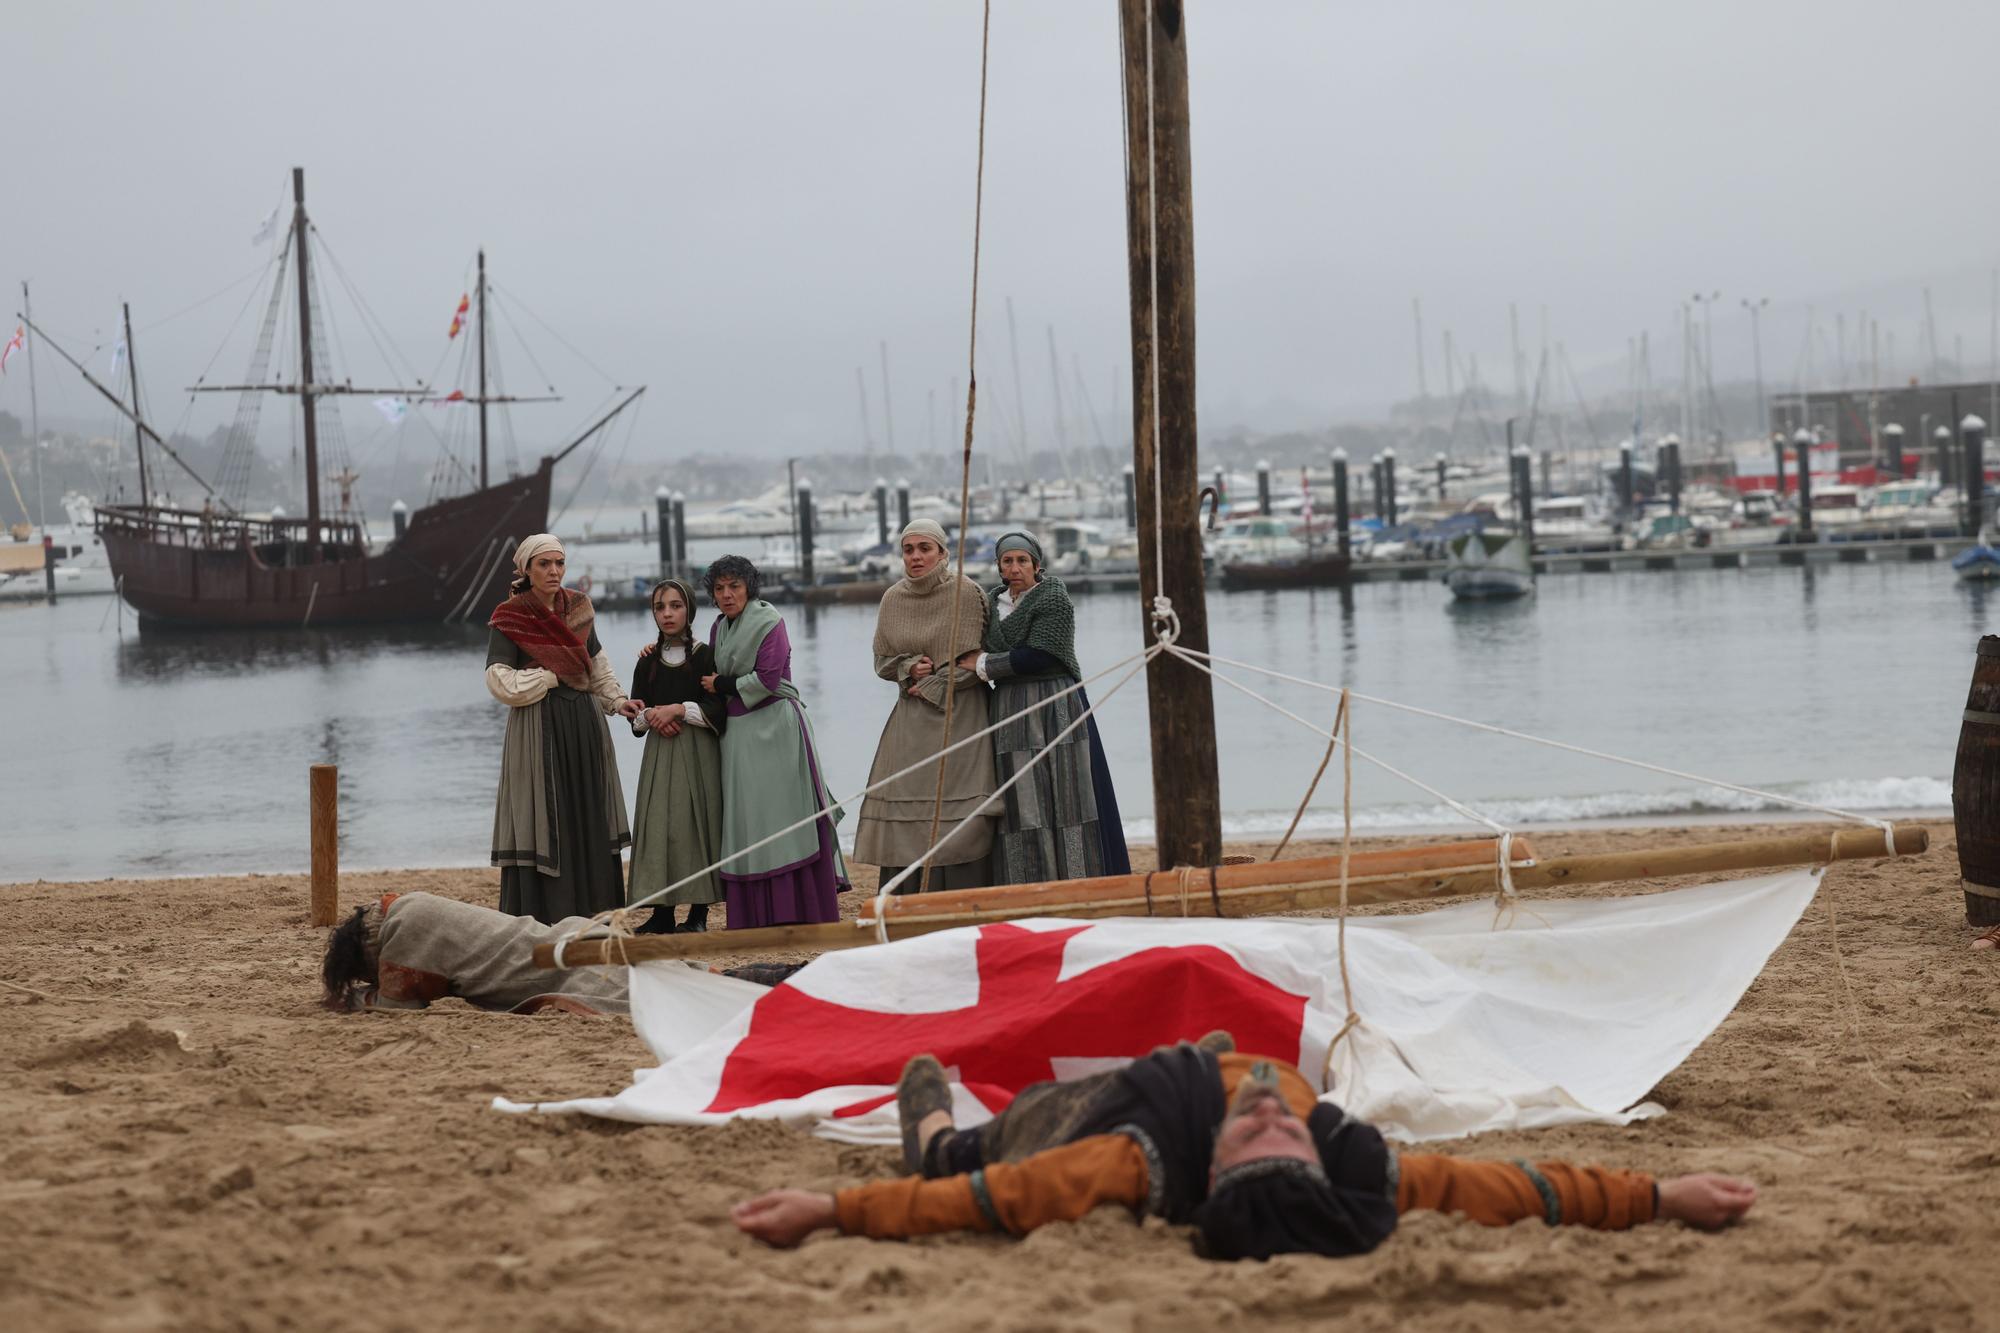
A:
(268, 227)
(393, 409)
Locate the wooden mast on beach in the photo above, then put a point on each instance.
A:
(1403, 874)
(1159, 232)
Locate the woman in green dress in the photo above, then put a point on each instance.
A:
(1062, 816)
(771, 776)
(677, 822)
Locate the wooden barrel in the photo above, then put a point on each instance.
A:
(1975, 789)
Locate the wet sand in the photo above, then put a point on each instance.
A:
(192, 1142)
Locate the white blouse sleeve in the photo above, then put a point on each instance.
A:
(604, 684)
(517, 687)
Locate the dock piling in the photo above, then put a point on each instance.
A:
(1389, 486)
(1972, 431)
(1264, 487)
(1342, 517)
(663, 505)
(1803, 441)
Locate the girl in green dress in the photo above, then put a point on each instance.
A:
(677, 823)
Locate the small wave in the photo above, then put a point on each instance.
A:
(1871, 795)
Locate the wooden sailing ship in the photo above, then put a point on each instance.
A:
(217, 567)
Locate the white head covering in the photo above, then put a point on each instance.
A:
(925, 527)
(532, 547)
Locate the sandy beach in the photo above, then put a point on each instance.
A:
(193, 1143)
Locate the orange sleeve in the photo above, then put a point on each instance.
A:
(1058, 1185)
(1495, 1194)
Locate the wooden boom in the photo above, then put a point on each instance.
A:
(1307, 884)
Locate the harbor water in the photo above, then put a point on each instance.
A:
(172, 754)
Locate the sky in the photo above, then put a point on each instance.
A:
(737, 204)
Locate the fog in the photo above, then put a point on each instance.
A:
(737, 204)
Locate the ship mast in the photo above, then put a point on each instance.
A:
(306, 366)
(138, 436)
(483, 481)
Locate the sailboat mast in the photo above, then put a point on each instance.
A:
(35, 416)
(482, 370)
(306, 366)
(138, 436)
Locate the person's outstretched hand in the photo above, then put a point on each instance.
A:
(785, 1217)
(1707, 1200)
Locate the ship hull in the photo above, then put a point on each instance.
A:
(454, 560)
(1319, 571)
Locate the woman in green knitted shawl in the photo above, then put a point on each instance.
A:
(915, 642)
(1061, 819)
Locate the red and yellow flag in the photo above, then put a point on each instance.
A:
(458, 317)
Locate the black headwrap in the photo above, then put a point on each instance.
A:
(1346, 1204)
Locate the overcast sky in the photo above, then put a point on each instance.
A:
(736, 202)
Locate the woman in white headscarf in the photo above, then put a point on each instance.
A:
(559, 824)
(915, 645)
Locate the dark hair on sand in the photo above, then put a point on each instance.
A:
(345, 969)
(731, 567)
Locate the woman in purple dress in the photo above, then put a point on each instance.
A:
(771, 777)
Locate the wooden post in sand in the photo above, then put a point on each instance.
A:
(325, 799)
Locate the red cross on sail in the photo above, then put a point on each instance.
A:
(1027, 1021)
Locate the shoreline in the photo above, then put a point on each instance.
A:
(171, 1076)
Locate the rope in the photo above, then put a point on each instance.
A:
(1339, 715)
(1888, 827)
(1160, 601)
(1343, 722)
(45, 995)
(965, 464)
(1847, 990)
(832, 806)
(883, 893)
(1190, 656)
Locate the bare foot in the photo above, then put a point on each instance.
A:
(1990, 940)
(1707, 1200)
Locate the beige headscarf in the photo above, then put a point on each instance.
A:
(528, 550)
(926, 527)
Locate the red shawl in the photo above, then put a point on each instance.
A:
(556, 638)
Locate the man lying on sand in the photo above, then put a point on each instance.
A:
(407, 949)
(1237, 1145)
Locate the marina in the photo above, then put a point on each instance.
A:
(221, 725)
(1273, 848)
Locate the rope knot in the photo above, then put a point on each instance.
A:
(1166, 620)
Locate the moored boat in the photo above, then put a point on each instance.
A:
(1488, 566)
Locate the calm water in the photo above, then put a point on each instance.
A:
(181, 754)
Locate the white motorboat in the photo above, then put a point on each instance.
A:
(1488, 566)
(1087, 548)
(1260, 539)
(1573, 523)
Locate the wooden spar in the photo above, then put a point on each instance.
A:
(1159, 226)
(306, 388)
(1306, 884)
(138, 436)
(483, 483)
(325, 801)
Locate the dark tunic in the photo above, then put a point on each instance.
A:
(659, 682)
(591, 876)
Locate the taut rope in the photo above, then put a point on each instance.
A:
(950, 664)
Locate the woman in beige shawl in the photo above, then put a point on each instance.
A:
(914, 649)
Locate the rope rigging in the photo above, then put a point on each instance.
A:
(950, 664)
